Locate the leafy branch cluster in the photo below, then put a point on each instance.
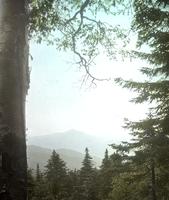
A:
(77, 26)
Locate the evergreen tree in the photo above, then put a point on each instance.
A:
(124, 188)
(148, 158)
(38, 173)
(151, 23)
(105, 177)
(56, 176)
(87, 166)
(41, 191)
(128, 182)
(105, 161)
(30, 184)
(87, 175)
(73, 185)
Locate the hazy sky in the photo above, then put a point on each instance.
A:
(57, 102)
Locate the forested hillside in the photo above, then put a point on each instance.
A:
(40, 155)
(59, 182)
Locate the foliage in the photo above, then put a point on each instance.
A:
(145, 157)
(77, 26)
(59, 183)
(150, 22)
(30, 183)
(105, 177)
(148, 151)
(87, 175)
(56, 176)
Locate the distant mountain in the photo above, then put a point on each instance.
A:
(71, 139)
(40, 155)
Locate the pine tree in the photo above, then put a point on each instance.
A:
(87, 166)
(87, 177)
(105, 177)
(30, 184)
(151, 23)
(56, 176)
(73, 185)
(147, 156)
(106, 160)
(38, 173)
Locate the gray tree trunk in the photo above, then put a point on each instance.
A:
(153, 181)
(13, 87)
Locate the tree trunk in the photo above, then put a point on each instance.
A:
(153, 181)
(13, 88)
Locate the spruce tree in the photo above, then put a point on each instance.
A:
(38, 173)
(151, 24)
(115, 179)
(147, 158)
(105, 177)
(106, 160)
(87, 175)
(56, 176)
(30, 184)
(87, 166)
(73, 185)
(39, 190)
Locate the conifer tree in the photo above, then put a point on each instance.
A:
(151, 24)
(56, 176)
(147, 158)
(106, 161)
(38, 173)
(105, 177)
(87, 166)
(40, 190)
(73, 185)
(87, 175)
(30, 184)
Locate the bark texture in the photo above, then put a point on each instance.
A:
(13, 87)
(153, 180)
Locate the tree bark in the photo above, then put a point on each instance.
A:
(13, 88)
(153, 181)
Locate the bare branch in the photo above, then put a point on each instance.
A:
(84, 5)
(83, 62)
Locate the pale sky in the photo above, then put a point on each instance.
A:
(57, 102)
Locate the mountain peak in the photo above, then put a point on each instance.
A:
(71, 139)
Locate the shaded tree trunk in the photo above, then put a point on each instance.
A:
(153, 181)
(13, 87)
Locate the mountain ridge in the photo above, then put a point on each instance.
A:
(73, 159)
(71, 139)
